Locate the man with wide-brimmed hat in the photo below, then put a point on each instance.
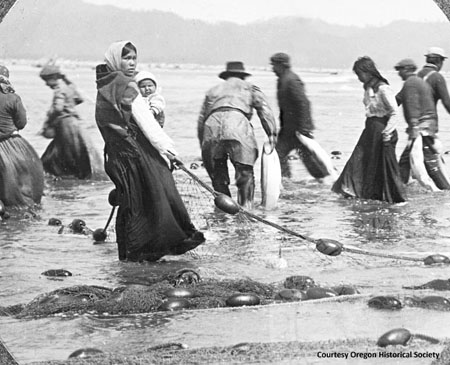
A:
(296, 124)
(224, 131)
(420, 115)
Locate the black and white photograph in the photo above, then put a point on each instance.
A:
(224, 182)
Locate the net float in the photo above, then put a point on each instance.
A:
(57, 272)
(225, 203)
(397, 336)
(329, 247)
(174, 304)
(242, 299)
(436, 300)
(179, 293)
(291, 295)
(54, 222)
(113, 199)
(85, 353)
(99, 235)
(184, 276)
(345, 290)
(436, 259)
(319, 293)
(401, 336)
(78, 225)
(384, 302)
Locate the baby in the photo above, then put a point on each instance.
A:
(149, 90)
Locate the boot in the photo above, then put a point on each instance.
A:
(219, 177)
(245, 182)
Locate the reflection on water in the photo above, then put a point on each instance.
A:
(236, 246)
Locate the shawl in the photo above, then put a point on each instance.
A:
(5, 85)
(113, 55)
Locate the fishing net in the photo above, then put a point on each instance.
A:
(294, 352)
(228, 235)
(239, 237)
(198, 201)
(206, 293)
(134, 298)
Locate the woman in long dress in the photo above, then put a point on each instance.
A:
(372, 172)
(152, 220)
(21, 172)
(70, 153)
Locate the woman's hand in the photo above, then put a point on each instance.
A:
(175, 160)
(272, 141)
(386, 137)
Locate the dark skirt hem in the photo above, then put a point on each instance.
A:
(372, 172)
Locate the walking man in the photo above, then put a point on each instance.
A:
(435, 58)
(224, 131)
(296, 124)
(419, 110)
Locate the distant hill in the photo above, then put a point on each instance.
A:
(72, 29)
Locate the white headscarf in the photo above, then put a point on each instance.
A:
(113, 55)
(139, 108)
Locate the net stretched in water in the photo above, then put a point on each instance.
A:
(202, 294)
(216, 294)
(268, 353)
(135, 298)
(228, 235)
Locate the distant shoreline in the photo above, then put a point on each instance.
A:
(76, 64)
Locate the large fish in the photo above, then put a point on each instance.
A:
(418, 169)
(270, 177)
(435, 164)
(316, 160)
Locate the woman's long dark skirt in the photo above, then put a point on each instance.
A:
(152, 220)
(372, 172)
(71, 153)
(21, 173)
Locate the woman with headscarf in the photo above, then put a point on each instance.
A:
(70, 153)
(21, 173)
(372, 172)
(152, 220)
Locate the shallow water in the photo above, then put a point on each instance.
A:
(235, 247)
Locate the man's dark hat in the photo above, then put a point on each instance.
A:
(50, 69)
(280, 58)
(406, 63)
(234, 68)
(4, 71)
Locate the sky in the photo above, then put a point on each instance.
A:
(344, 12)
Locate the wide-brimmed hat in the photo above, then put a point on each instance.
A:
(406, 63)
(234, 68)
(436, 51)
